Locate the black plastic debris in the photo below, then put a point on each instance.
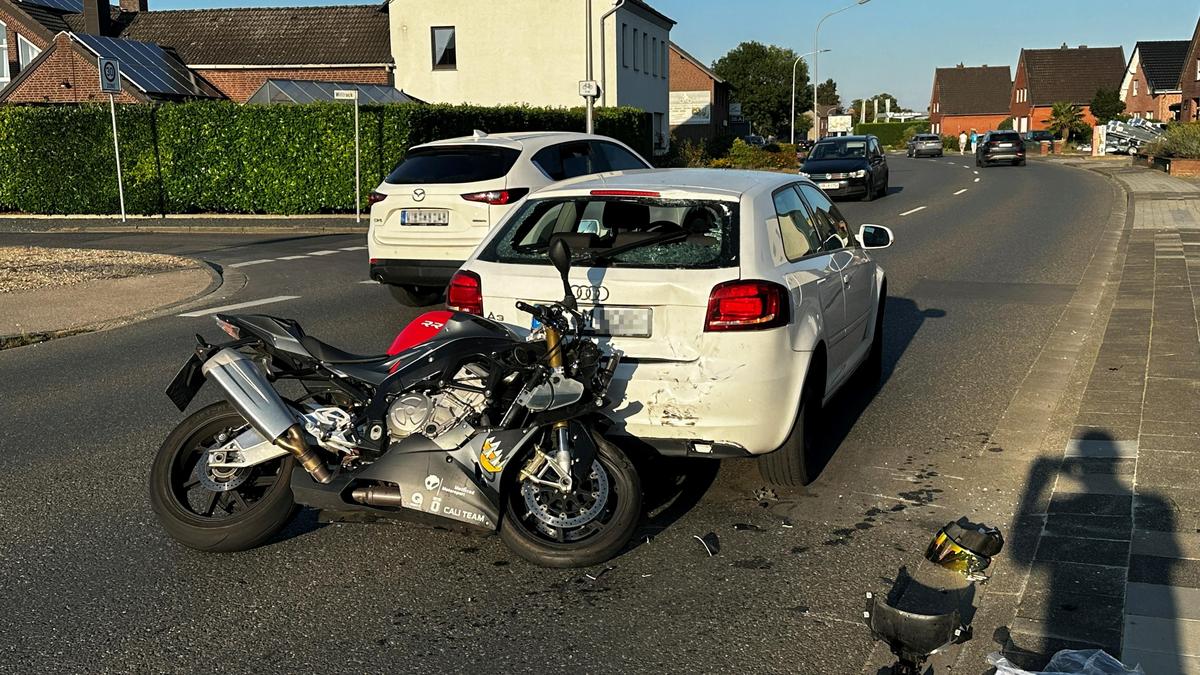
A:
(710, 541)
(746, 527)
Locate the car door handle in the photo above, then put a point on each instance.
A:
(822, 280)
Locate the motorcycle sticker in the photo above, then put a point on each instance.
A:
(432, 482)
(491, 457)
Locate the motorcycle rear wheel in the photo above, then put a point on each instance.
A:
(609, 531)
(232, 518)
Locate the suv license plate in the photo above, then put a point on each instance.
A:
(828, 186)
(424, 217)
(618, 321)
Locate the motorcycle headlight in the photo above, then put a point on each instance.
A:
(861, 173)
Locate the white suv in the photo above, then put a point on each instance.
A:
(741, 300)
(438, 204)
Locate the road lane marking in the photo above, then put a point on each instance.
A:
(252, 262)
(353, 248)
(293, 257)
(976, 180)
(369, 281)
(961, 191)
(240, 305)
(912, 211)
(322, 252)
(975, 172)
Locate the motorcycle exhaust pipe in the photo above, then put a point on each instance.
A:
(378, 495)
(246, 387)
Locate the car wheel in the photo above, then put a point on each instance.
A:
(789, 465)
(871, 370)
(883, 191)
(1020, 162)
(416, 296)
(870, 193)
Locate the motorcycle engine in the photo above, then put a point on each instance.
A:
(435, 413)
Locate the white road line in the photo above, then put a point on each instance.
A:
(251, 262)
(293, 257)
(961, 191)
(975, 172)
(908, 213)
(322, 252)
(369, 281)
(240, 305)
(353, 248)
(976, 180)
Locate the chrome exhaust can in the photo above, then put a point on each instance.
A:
(246, 387)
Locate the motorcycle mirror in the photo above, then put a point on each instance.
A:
(560, 255)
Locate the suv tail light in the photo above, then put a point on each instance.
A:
(375, 197)
(747, 305)
(497, 197)
(465, 293)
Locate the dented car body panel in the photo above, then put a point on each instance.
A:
(679, 378)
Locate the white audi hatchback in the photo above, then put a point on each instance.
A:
(439, 203)
(741, 299)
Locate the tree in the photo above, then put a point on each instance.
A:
(1064, 118)
(761, 78)
(827, 93)
(1107, 105)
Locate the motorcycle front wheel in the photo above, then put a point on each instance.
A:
(213, 509)
(585, 527)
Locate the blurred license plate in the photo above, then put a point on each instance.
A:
(424, 217)
(828, 186)
(1006, 145)
(618, 321)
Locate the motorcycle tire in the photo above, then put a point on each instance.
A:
(598, 548)
(259, 521)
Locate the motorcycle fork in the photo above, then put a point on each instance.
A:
(562, 456)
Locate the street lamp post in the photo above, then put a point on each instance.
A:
(817, 49)
(796, 63)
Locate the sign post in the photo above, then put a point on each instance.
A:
(110, 83)
(352, 95)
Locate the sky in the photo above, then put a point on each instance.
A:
(892, 45)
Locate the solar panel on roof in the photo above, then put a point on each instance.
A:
(308, 91)
(73, 6)
(148, 66)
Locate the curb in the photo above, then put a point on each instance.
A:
(216, 281)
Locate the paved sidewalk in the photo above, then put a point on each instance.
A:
(1119, 549)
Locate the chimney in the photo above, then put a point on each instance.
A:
(1083, 46)
(95, 17)
(134, 5)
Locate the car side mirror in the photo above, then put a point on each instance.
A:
(560, 255)
(875, 236)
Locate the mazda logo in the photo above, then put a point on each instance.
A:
(419, 195)
(590, 293)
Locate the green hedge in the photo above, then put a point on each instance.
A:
(226, 158)
(890, 133)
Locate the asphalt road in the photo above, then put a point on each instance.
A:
(89, 582)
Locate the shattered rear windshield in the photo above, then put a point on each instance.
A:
(669, 233)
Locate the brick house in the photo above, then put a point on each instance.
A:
(230, 53)
(699, 98)
(1150, 89)
(1048, 76)
(966, 98)
(1189, 80)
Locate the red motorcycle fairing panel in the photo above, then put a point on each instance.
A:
(422, 329)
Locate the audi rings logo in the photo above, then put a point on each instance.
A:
(590, 293)
(419, 195)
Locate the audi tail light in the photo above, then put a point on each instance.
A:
(465, 293)
(497, 197)
(747, 305)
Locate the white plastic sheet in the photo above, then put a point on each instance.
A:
(1069, 662)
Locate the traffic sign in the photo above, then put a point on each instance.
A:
(345, 94)
(110, 76)
(589, 88)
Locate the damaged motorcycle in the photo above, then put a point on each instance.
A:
(461, 420)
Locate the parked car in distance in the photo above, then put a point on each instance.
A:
(1000, 146)
(442, 200)
(755, 140)
(848, 166)
(742, 302)
(1039, 136)
(925, 144)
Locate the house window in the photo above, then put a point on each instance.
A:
(3, 55)
(625, 45)
(1135, 82)
(646, 52)
(27, 51)
(653, 54)
(634, 47)
(666, 67)
(445, 56)
(1198, 69)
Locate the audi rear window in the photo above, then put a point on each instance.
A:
(454, 164)
(643, 232)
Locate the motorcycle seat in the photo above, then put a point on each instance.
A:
(327, 353)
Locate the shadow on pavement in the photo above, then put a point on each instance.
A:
(1073, 526)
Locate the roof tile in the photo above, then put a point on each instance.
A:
(1072, 75)
(976, 90)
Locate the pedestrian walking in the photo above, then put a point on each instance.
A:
(962, 142)
(974, 137)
